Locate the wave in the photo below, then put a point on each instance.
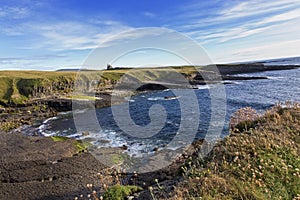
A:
(155, 98)
(275, 78)
(49, 119)
(200, 87)
(231, 82)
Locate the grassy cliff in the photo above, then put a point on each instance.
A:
(16, 87)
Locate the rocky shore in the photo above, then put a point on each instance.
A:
(38, 168)
(45, 100)
(41, 168)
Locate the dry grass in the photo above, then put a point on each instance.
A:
(259, 163)
(113, 185)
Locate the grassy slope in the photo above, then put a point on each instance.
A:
(16, 85)
(261, 163)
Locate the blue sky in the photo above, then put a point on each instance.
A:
(52, 34)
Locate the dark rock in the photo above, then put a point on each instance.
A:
(85, 133)
(155, 149)
(151, 86)
(124, 147)
(39, 168)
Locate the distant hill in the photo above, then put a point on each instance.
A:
(275, 61)
(74, 70)
(283, 61)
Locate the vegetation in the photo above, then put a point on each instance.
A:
(80, 145)
(9, 125)
(82, 97)
(59, 138)
(256, 163)
(120, 192)
(16, 87)
(260, 161)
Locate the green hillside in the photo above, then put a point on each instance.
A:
(17, 87)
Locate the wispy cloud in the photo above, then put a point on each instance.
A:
(132, 34)
(70, 35)
(281, 40)
(294, 14)
(227, 25)
(256, 7)
(230, 14)
(268, 51)
(248, 24)
(149, 14)
(29, 62)
(14, 12)
(228, 29)
(231, 34)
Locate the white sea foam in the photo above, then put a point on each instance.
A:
(155, 98)
(231, 82)
(49, 134)
(107, 138)
(275, 78)
(49, 119)
(201, 87)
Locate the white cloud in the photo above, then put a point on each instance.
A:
(30, 62)
(226, 35)
(248, 30)
(294, 14)
(279, 49)
(14, 12)
(280, 40)
(227, 24)
(74, 35)
(132, 34)
(256, 7)
(149, 14)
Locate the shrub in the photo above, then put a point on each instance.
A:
(243, 119)
(120, 192)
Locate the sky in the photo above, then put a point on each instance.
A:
(54, 34)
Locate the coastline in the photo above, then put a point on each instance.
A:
(37, 109)
(40, 168)
(63, 172)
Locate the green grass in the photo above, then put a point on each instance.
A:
(82, 97)
(80, 145)
(59, 138)
(120, 192)
(17, 87)
(6, 89)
